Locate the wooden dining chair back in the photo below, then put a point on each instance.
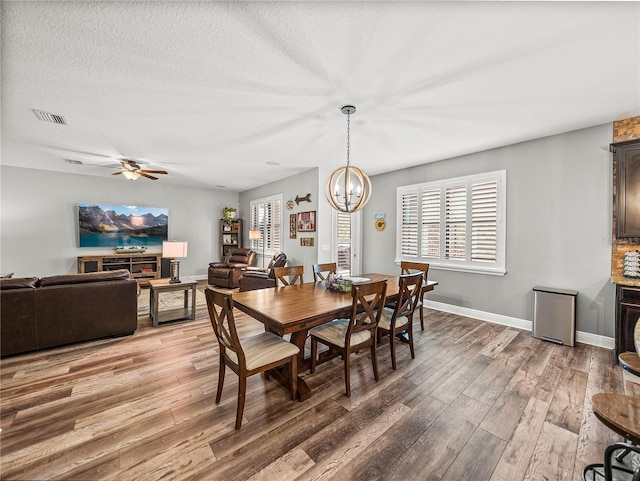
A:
(345, 336)
(407, 267)
(249, 356)
(322, 271)
(289, 276)
(398, 320)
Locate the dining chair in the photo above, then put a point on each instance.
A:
(358, 332)
(322, 271)
(398, 320)
(407, 267)
(289, 276)
(249, 356)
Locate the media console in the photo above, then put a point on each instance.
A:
(142, 267)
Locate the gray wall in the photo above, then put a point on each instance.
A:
(290, 187)
(559, 203)
(39, 233)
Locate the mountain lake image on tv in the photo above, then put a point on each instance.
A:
(103, 225)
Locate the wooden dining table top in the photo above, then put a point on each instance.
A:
(300, 307)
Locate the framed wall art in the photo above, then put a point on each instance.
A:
(292, 226)
(307, 221)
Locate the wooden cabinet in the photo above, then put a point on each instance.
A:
(628, 313)
(628, 189)
(230, 236)
(141, 266)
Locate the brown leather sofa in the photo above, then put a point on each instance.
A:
(262, 279)
(227, 272)
(64, 309)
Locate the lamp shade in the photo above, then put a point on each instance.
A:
(174, 249)
(254, 234)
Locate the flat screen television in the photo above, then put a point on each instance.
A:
(105, 225)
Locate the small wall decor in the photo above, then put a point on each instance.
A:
(306, 198)
(292, 226)
(306, 241)
(289, 204)
(379, 221)
(307, 221)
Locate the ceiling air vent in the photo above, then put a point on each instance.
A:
(74, 162)
(47, 117)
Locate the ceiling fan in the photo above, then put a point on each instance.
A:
(132, 170)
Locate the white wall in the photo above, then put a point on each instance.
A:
(39, 231)
(559, 204)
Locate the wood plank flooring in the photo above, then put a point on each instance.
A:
(480, 401)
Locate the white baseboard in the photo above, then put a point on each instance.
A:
(583, 337)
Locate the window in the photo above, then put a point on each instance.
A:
(455, 224)
(266, 216)
(344, 244)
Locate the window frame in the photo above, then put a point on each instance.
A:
(274, 232)
(410, 230)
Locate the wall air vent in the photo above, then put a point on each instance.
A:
(47, 117)
(73, 162)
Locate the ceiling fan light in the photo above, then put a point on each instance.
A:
(131, 175)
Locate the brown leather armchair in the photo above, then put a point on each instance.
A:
(261, 279)
(227, 272)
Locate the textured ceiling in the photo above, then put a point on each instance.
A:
(213, 91)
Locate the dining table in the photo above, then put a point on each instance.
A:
(297, 308)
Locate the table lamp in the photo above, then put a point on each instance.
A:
(255, 234)
(174, 249)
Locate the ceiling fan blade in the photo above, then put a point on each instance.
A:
(147, 175)
(154, 171)
(117, 173)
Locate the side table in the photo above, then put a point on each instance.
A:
(157, 286)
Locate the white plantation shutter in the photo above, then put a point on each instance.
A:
(455, 224)
(430, 246)
(344, 243)
(266, 216)
(484, 225)
(455, 216)
(409, 229)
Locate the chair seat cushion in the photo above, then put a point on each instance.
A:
(264, 349)
(335, 332)
(385, 319)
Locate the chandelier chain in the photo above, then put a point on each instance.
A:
(348, 136)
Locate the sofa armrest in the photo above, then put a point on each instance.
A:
(238, 265)
(218, 264)
(256, 274)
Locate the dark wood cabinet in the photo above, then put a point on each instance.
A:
(628, 189)
(628, 313)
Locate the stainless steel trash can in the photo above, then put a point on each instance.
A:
(554, 315)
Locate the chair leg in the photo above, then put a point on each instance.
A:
(410, 334)
(374, 359)
(422, 313)
(392, 347)
(242, 391)
(314, 351)
(294, 377)
(221, 371)
(347, 373)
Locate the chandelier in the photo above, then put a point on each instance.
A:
(349, 188)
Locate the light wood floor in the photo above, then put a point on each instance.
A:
(479, 402)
